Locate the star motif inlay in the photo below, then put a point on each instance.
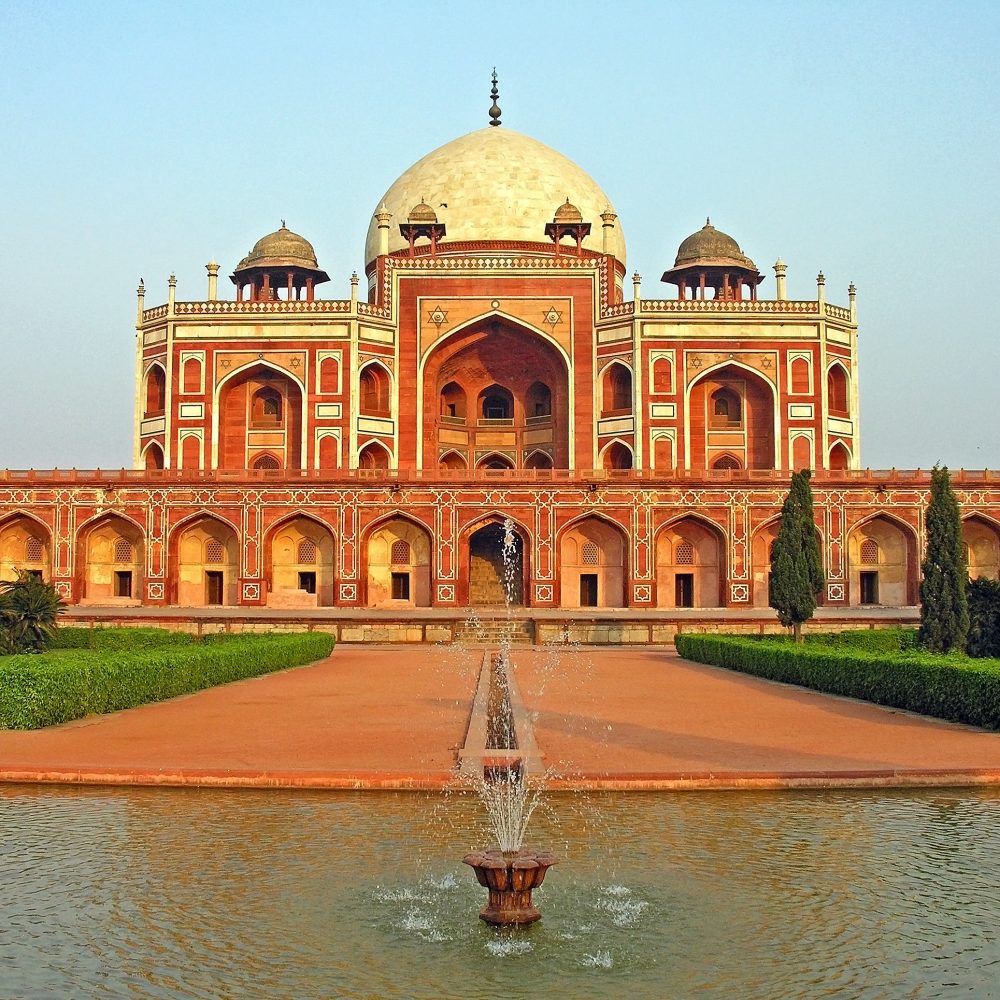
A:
(438, 316)
(552, 316)
(696, 362)
(766, 363)
(296, 362)
(226, 363)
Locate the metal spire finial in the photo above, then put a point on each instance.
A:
(494, 93)
(283, 226)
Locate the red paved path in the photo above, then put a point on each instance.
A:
(393, 717)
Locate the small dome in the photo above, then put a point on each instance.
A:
(280, 249)
(711, 246)
(568, 214)
(422, 214)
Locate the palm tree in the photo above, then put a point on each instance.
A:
(29, 609)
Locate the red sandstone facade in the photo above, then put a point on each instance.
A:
(296, 451)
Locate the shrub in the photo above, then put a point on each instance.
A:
(37, 691)
(29, 608)
(953, 688)
(869, 640)
(984, 618)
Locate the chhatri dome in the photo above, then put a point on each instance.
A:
(495, 184)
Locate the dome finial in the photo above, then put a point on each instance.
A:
(283, 226)
(494, 93)
(708, 220)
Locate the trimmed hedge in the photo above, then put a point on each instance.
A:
(40, 690)
(949, 687)
(869, 640)
(76, 637)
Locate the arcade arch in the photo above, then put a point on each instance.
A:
(399, 565)
(761, 547)
(690, 565)
(983, 540)
(496, 564)
(259, 412)
(731, 412)
(113, 550)
(25, 546)
(206, 563)
(592, 565)
(298, 559)
(882, 563)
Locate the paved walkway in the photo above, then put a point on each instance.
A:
(395, 718)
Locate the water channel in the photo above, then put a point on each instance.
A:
(185, 893)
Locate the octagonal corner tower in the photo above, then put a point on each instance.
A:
(495, 185)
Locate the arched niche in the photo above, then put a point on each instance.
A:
(191, 377)
(495, 462)
(260, 412)
(882, 564)
(838, 390)
(374, 390)
(538, 460)
(617, 456)
(26, 547)
(399, 565)
(299, 557)
(496, 404)
(155, 392)
(206, 561)
(373, 456)
(840, 457)
(800, 376)
(152, 456)
(982, 539)
(592, 565)
(616, 390)
(453, 402)
(732, 413)
(114, 557)
(690, 565)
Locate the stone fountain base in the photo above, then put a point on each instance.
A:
(510, 877)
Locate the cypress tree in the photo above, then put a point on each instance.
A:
(796, 565)
(944, 608)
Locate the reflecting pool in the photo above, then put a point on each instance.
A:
(187, 893)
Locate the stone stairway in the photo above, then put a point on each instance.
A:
(490, 632)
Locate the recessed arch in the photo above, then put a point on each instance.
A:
(592, 563)
(981, 535)
(617, 382)
(891, 580)
(374, 456)
(152, 456)
(690, 554)
(375, 389)
(25, 546)
(481, 563)
(838, 390)
(155, 390)
(111, 558)
(840, 457)
(398, 553)
(616, 455)
(496, 462)
(452, 460)
(538, 459)
(761, 543)
(494, 316)
(299, 562)
(204, 553)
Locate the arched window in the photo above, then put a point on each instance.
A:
(727, 462)
(34, 550)
(538, 460)
(869, 552)
(590, 554)
(725, 408)
(840, 458)
(497, 404)
(123, 550)
(453, 402)
(191, 452)
(307, 552)
(837, 391)
(266, 463)
(153, 456)
(617, 390)
(265, 408)
(538, 402)
(496, 462)
(373, 390)
(400, 552)
(329, 452)
(215, 551)
(156, 391)
(685, 554)
(452, 460)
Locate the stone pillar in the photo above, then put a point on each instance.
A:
(636, 289)
(608, 219)
(821, 288)
(383, 215)
(852, 296)
(171, 293)
(354, 291)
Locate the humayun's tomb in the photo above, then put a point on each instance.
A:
(495, 360)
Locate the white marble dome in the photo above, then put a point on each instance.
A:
(497, 184)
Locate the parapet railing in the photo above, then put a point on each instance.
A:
(876, 478)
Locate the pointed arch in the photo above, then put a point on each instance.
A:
(617, 388)
(538, 459)
(981, 535)
(25, 546)
(152, 456)
(375, 383)
(204, 558)
(374, 456)
(397, 552)
(892, 580)
(299, 553)
(690, 553)
(494, 315)
(616, 455)
(111, 557)
(761, 542)
(452, 460)
(154, 390)
(592, 563)
(840, 457)
(495, 461)
(838, 390)
(481, 567)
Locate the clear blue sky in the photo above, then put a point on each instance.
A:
(860, 139)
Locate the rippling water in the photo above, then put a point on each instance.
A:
(182, 893)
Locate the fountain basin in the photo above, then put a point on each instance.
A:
(510, 878)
